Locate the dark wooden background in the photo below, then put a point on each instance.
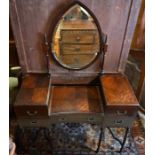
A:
(30, 20)
(138, 41)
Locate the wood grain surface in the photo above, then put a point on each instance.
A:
(31, 99)
(82, 99)
(117, 90)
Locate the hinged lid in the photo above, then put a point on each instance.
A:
(118, 91)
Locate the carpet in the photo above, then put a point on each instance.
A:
(76, 139)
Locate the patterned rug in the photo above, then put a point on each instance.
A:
(76, 139)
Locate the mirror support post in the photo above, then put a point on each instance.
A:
(46, 49)
(104, 50)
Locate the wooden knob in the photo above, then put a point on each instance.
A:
(78, 38)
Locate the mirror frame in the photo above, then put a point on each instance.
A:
(52, 30)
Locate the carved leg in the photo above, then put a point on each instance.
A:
(100, 139)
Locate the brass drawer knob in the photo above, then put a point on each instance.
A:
(30, 113)
(78, 38)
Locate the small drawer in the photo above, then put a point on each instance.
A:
(34, 122)
(117, 121)
(58, 118)
(79, 49)
(121, 111)
(118, 112)
(77, 118)
(95, 119)
(78, 36)
(31, 111)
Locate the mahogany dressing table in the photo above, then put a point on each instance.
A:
(76, 89)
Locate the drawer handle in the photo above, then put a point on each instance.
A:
(33, 122)
(31, 113)
(118, 121)
(90, 119)
(121, 112)
(77, 38)
(61, 119)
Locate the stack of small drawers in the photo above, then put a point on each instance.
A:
(78, 46)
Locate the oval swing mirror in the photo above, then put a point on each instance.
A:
(75, 40)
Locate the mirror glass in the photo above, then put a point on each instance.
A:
(75, 42)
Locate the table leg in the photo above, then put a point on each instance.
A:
(124, 139)
(100, 139)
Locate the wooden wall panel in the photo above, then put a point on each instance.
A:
(113, 16)
(138, 41)
(128, 36)
(31, 19)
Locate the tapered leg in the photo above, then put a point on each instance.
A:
(100, 139)
(124, 140)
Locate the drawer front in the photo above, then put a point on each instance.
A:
(77, 118)
(78, 36)
(31, 111)
(121, 111)
(118, 121)
(34, 122)
(79, 49)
